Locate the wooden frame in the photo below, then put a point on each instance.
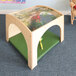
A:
(31, 36)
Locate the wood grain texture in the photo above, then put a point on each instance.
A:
(32, 37)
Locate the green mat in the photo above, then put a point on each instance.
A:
(49, 41)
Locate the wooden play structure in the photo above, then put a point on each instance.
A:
(24, 29)
(73, 10)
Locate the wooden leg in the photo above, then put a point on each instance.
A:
(72, 18)
(62, 30)
(7, 31)
(7, 39)
(61, 34)
(32, 54)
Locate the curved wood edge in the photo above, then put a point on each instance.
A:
(18, 21)
(22, 10)
(59, 21)
(36, 6)
(27, 36)
(49, 8)
(48, 23)
(37, 34)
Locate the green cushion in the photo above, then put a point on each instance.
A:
(49, 41)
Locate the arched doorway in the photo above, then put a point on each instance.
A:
(17, 39)
(50, 39)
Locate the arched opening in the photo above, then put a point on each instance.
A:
(17, 39)
(50, 39)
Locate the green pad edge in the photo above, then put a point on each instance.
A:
(49, 41)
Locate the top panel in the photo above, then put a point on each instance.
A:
(37, 16)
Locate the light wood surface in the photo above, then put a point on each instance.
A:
(15, 26)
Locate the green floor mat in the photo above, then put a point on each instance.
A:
(49, 41)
